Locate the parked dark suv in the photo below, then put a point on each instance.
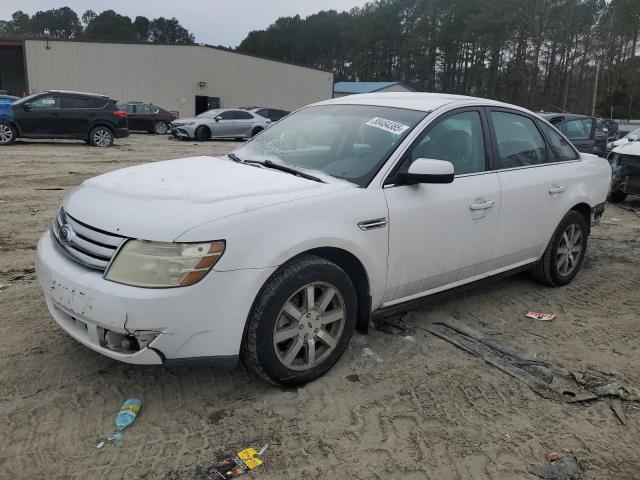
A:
(585, 133)
(60, 114)
(148, 117)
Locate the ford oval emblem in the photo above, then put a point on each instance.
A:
(66, 234)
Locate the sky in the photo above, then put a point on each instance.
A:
(216, 22)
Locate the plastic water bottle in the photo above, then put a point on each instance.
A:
(128, 413)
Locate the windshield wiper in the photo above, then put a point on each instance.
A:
(234, 157)
(282, 168)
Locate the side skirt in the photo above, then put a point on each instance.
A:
(445, 294)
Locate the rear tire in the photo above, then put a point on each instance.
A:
(160, 127)
(564, 255)
(8, 134)
(202, 134)
(617, 196)
(101, 137)
(294, 336)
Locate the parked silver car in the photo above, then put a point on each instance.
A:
(219, 123)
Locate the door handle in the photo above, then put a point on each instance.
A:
(481, 206)
(556, 189)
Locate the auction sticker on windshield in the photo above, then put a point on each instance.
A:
(388, 125)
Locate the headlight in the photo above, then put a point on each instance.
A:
(161, 265)
(190, 123)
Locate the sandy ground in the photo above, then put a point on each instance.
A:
(407, 405)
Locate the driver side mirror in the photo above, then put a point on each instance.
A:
(27, 107)
(425, 170)
(218, 118)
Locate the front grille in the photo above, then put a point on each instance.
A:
(86, 245)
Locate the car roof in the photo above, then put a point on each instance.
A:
(71, 92)
(548, 115)
(629, 148)
(425, 102)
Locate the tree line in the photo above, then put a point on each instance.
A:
(64, 23)
(542, 54)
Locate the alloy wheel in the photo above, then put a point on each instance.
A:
(309, 326)
(6, 134)
(161, 128)
(569, 249)
(102, 137)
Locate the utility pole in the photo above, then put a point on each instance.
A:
(595, 91)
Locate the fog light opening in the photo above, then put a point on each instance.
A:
(125, 343)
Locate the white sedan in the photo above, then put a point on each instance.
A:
(220, 123)
(346, 209)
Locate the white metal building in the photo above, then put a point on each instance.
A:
(185, 78)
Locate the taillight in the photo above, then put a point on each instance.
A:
(120, 113)
(175, 115)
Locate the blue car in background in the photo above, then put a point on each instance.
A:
(8, 99)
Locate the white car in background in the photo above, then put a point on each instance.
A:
(220, 123)
(632, 136)
(348, 208)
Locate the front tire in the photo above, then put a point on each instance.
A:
(256, 131)
(564, 255)
(301, 322)
(101, 137)
(202, 134)
(8, 134)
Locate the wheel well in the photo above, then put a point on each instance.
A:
(356, 271)
(105, 125)
(15, 127)
(257, 129)
(584, 210)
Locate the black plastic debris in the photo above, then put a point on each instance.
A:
(558, 468)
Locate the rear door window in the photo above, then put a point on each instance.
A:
(560, 146)
(76, 102)
(520, 143)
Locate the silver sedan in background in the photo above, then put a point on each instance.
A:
(220, 123)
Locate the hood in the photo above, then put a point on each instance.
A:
(617, 143)
(629, 148)
(160, 201)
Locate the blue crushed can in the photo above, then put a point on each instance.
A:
(128, 413)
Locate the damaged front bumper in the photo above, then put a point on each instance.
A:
(626, 173)
(203, 322)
